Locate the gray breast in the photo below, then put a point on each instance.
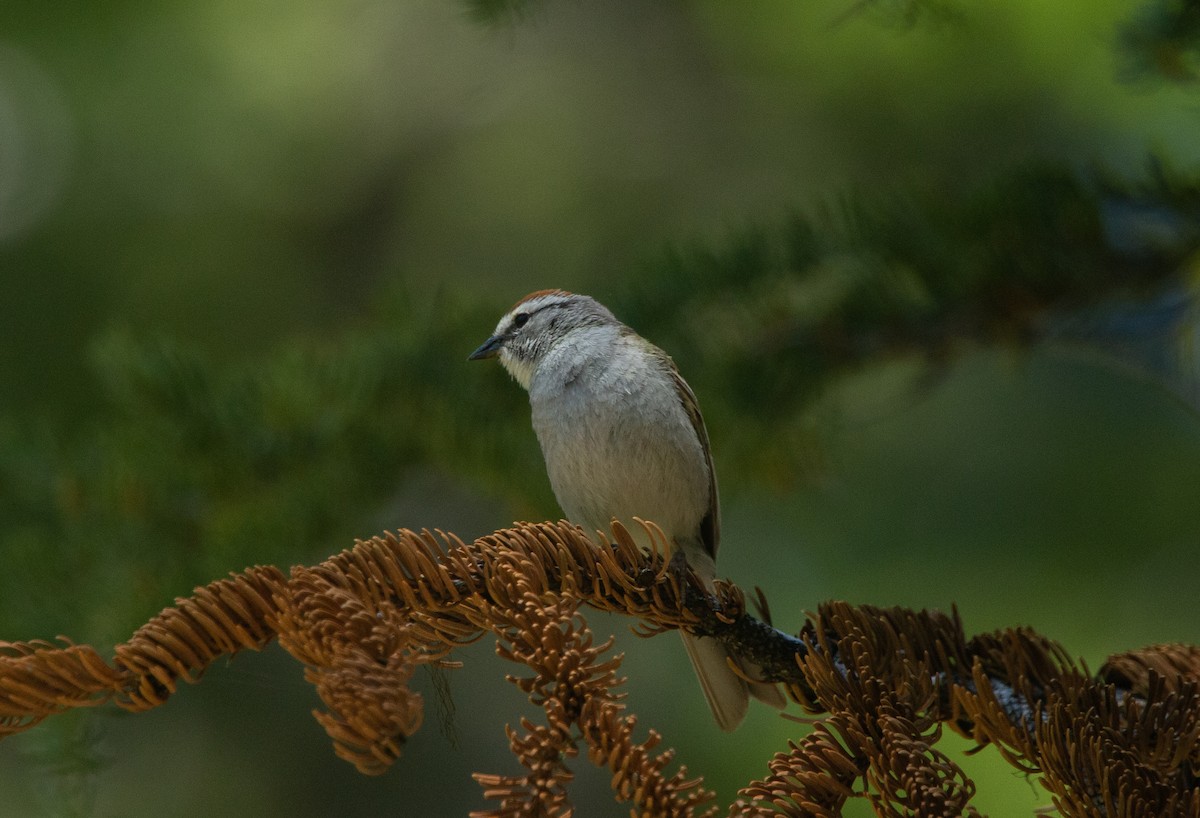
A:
(618, 443)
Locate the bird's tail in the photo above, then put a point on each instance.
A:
(727, 693)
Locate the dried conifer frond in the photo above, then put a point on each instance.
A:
(543, 633)
(638, 775)
(38, 679)
(542, 791)
(1101, 749)
(221, 618)
(879, 674)
(814, 780)
(912, 776)
(359, 657)
(1026, 659)
(991, 712)
(1117, 754)
(575, 685)
(1174, 665)
(1012, 673)
(884, 680)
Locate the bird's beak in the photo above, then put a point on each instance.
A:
(488, 349)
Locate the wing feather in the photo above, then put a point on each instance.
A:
(710, 526)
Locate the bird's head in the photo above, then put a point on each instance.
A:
(535, 325)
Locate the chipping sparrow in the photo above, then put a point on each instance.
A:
(622, 436)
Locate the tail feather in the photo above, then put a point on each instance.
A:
(725, 691)
(767, 693)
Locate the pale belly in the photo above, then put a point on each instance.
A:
(625, 468)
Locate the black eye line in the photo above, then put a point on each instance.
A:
(520, 319)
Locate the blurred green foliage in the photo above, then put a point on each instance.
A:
(1161, 40)
(194, 469)
(244, 252)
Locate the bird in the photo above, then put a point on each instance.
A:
(622, 437)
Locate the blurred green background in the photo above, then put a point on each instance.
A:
(928, 266)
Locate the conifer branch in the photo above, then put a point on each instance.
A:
(884, 681)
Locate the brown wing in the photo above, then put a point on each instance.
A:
(710, 526)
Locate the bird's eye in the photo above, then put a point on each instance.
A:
(520, 319)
